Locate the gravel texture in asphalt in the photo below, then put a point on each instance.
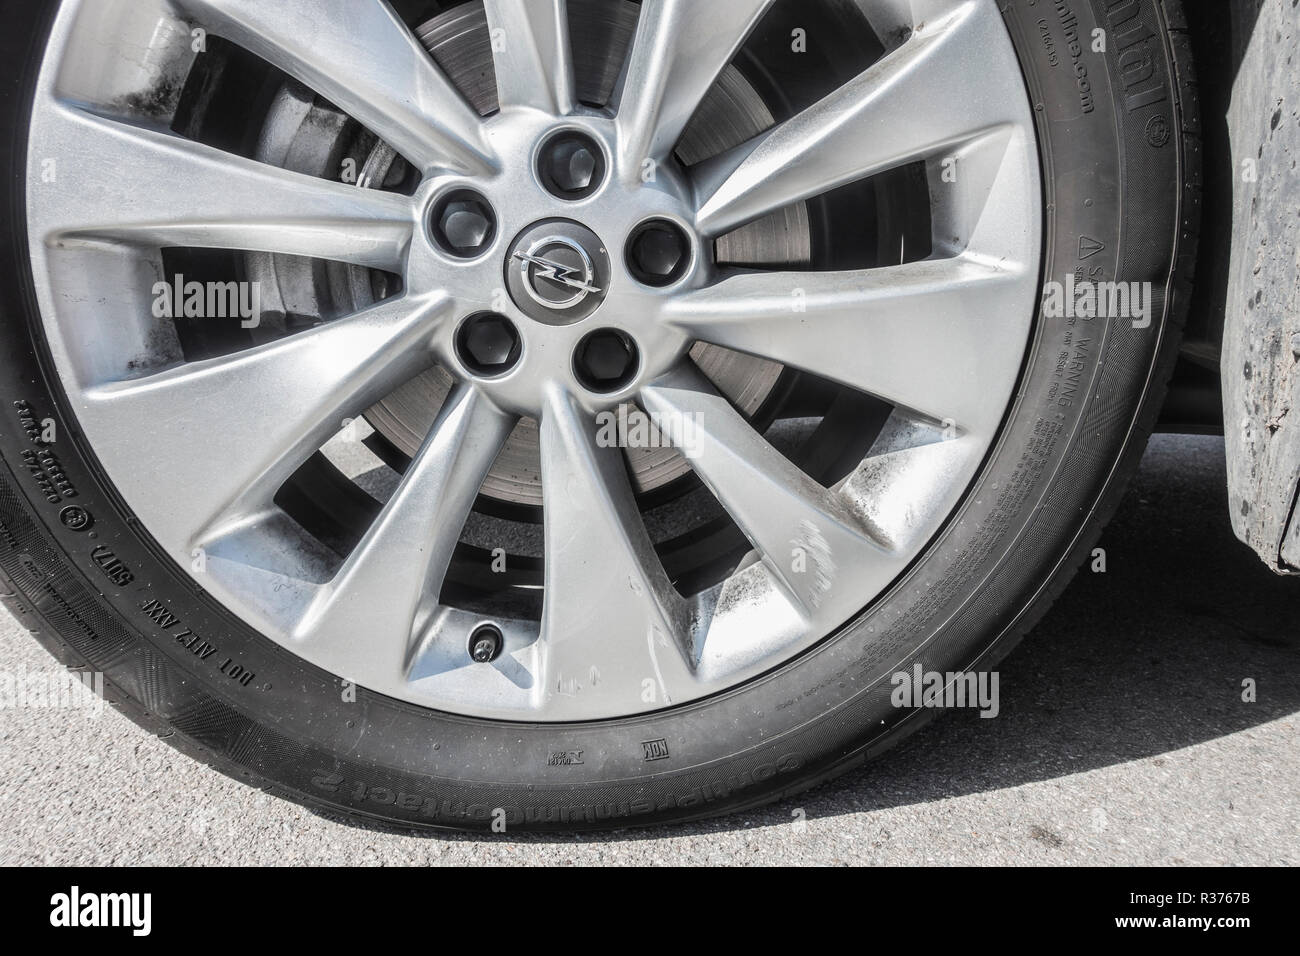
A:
(1123, 737)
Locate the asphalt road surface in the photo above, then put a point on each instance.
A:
(1123, 738)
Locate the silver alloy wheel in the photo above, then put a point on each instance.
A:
(199, 450)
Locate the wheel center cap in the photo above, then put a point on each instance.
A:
(558, 271)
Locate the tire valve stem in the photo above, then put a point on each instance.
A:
(485, 644)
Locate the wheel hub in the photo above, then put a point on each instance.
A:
(568, 270)
(461, 42)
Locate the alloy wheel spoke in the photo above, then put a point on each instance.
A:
(610, 617)
(803, 533)
(135, 185)
(236, 428)
(360, 56)
(680, 49)
(534, 61)
(917, 335)
(901, 109)
(374, 603)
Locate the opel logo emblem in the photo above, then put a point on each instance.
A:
(557, 272)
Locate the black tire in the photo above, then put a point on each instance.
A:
(1124, 174)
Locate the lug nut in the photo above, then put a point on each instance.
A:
(606, 361)
(464, 224)
(485, 644)
(658, 253)
(571, 165)
(573, 168)
(488, 344)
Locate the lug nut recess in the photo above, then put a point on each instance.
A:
(488, 344)
(658, 253)
(463, 224)
(571, 165)
(606, 361)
